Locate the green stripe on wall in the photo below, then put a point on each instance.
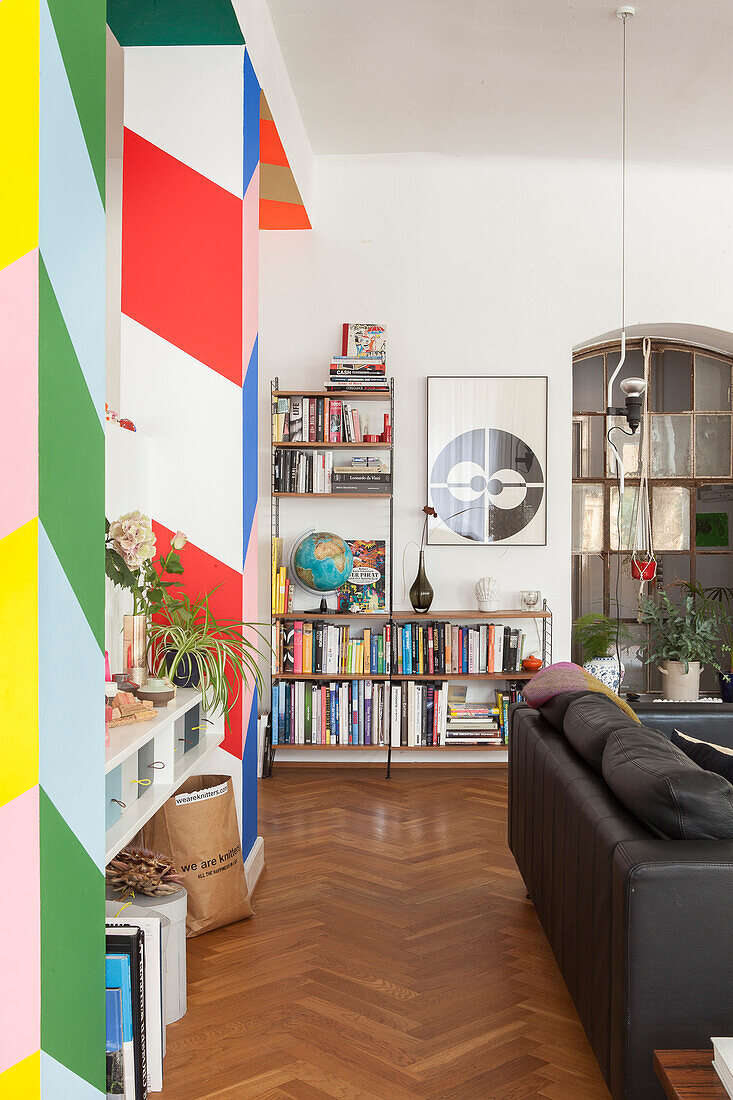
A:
(80, 31)
(70, 461)
(72, 949)
(174, 23)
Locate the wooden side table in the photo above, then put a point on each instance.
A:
(688, 1075)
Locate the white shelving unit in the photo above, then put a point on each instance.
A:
(134, 748)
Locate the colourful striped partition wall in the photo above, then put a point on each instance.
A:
(52, 547)
(281, 204)
(189, 329)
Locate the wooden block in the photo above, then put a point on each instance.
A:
(123, 698)
(144, 715)
(122, 721)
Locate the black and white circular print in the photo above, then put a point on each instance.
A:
(487, 485)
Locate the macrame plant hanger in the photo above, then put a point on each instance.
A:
(643, 560)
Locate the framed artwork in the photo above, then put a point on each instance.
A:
(487, 461)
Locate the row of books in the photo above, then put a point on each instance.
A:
(357, 373)
(410, 649)
(438, 647)
(135, 1009)
(282, 589)
(368, 712)
(303, 647)
(315, 472)
(323, 420)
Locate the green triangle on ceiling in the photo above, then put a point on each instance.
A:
(174, 23)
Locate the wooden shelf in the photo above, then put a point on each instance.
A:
(330, 616)
(462, 676)
(352, 395)
(341, 496)
(402, 676)
(489, 616)
(332, 676)
(126, 740)
(140, 810)
(398, 748)
(336, 446)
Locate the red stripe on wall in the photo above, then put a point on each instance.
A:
(283, 215)
(271, 148)
(182, 256)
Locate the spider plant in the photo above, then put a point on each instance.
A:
(191, 642)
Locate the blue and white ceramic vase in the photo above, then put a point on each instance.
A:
(608, 670)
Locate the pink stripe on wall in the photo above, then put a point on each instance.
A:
(250, 266)
(20, 932)
(19, 380)
(249, 607)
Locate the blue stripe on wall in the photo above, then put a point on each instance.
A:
(249, 783)
(249, 447)
(251, 121)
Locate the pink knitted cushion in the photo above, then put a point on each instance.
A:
(565, 676)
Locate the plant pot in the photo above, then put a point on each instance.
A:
(421, 593)
(607, 670)
(187, 674)
(726, 686)
(679, 685)
(643, 570)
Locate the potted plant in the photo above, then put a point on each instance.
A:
(194, 649)
(718, 601)
(682, 638)
(596, 635)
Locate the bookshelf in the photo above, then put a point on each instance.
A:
(390, 617)
(177, 739)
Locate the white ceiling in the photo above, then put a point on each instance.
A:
(526, 77)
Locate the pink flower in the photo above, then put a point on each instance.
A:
(133, 538)
(178, 541)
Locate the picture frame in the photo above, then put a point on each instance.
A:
(487, 460)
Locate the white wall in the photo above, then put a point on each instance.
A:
(490, 266)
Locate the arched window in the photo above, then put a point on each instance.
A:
(691, 483)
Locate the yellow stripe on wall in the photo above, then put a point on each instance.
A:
(19, 648)
(24, 1078)
(19, 114)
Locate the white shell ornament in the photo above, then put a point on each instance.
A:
(487, 594)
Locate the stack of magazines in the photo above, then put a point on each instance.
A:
(347, 373)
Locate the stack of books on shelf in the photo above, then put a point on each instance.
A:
(441, 647)
(135, 1017)
(336, 713)
(362, 475)
(473, 723)
(362, 363)
(348, 373)
(300, 648)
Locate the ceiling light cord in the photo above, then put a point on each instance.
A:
(624, 17)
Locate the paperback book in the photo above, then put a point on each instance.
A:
(365, 588)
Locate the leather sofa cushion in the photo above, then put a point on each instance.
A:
(554, 710)
(666, 791)
(711, 757)
(589, 719)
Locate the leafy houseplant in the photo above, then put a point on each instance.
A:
(194, 647)
(682, 638)
(595, 634)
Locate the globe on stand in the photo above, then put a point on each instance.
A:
(320, 562)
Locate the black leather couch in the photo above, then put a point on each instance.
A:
(641, 927)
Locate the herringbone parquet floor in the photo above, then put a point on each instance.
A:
(393, 955)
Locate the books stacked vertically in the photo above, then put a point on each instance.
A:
(471, 723)
(347, 373)
(135, 1005)
(436, 648)
(330, 649)
(302, 471)
(723, 1062)
(362, 475)
(322, 420)
(282, 590)
(341, 712)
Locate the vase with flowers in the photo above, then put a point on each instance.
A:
(130, 563)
